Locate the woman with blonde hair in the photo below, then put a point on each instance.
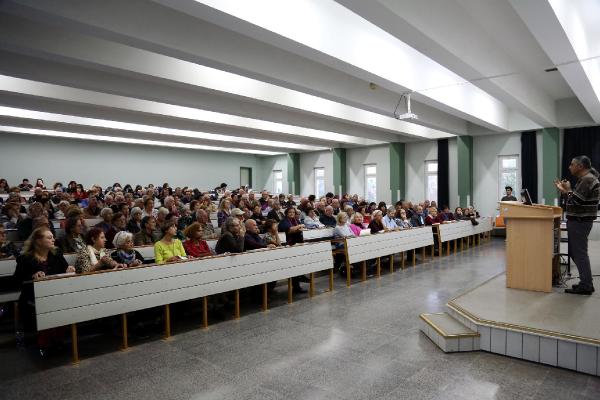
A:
(224, 211)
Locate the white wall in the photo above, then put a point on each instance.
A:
(309, 161)
(266, 166)
(355, 171)
(486, 150)
(87, 162)
(416, 154)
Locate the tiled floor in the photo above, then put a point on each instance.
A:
(356, 343)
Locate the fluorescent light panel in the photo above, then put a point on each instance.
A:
(114, 139)
(51, 91)
(127, 126)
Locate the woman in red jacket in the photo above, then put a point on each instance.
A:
(194, 245)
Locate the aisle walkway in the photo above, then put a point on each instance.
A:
(357, 343)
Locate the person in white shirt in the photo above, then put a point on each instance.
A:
(342, 229)
(311, 220)
(389, 221)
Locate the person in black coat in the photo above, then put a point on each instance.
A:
(40, 258)
(231, 241)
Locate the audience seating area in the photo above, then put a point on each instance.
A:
(68, 299)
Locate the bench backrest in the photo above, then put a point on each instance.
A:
(382, 244)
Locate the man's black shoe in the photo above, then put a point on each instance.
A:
(579, 290)
(576, 285)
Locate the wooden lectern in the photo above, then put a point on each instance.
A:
(532, 244)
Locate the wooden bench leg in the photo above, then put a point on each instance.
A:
(448, 248)
(331, 280)
(74, 344)
(379, 267)
(237, 304)
(125, 343)
(348, 277)
(265, 297)
(391, 263)
(423, 253)
(311, 288)
(205, 312)
(290, 299)
(403, 258)
(363, 270)
(414, 257)
(462, 244)
(167, 321)
(432, 251)
(455, 245)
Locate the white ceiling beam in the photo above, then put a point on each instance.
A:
(569, 33)
(100, 52)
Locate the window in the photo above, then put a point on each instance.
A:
(431, 180)
(277, 181)
(508, 175)
(319, 182)
(370, 182)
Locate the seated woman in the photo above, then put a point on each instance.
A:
(7, 248)
(402, 221)
(311, 220)
(147, 235)
(224, 211)
(94, 256)
(357, 224)
(106, 214)
(195, 246)
(40, 258)
(433, 217)
(272, 233)
(459, 215)
(149, 210)
(169, 248)
(118, 224)
(73, 240)
(376, 224)
(125, 254)
(342, 229)
(25, 226)
(135, 220)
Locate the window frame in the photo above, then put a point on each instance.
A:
(366, 176)
(317, 179)
(517, 186)
(427, 174)
(275, 180)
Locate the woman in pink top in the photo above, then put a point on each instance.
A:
(357, 224)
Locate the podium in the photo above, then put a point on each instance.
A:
(532, 244)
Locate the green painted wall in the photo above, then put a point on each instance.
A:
(550, 163)
(293, 173)
(339, 170)
(397, 170)
(464, 149)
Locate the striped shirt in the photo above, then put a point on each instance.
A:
(583, 201)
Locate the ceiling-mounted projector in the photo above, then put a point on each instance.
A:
(408, 114)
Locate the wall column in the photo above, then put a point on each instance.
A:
(293, 173)
(339, 170)
(464, 149)
(550, 163)
(397, 171)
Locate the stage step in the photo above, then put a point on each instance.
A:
(448, 333)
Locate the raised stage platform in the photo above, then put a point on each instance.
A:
(554, 328)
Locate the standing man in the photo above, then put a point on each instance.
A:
(582, 209)
(509, 196)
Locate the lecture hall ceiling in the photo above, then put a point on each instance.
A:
(279, 76)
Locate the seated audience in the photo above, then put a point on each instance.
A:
(195, 245)
(231, 241)
(73, 240)
(311, 220)
(389, 221)
(135, 219)
(418, 219)
(342, 228)
(433, 217)
(376, 224)
(258, 217)
(40, 258)
(149, 210)
(357, 224)
(118, 224)
(252, 239)
(125, 254)
(25, 185)
(403, 221)
(169, 248)
(147, 235)
(291, 227)
(276, 213)
(25, 226)
(63, 205)
(107, 215)
(92, 210)
(272, 233)
(446, 214)
(224, 211)
(94, 256)
(327, 218)
(208, 230)
(7, 248)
